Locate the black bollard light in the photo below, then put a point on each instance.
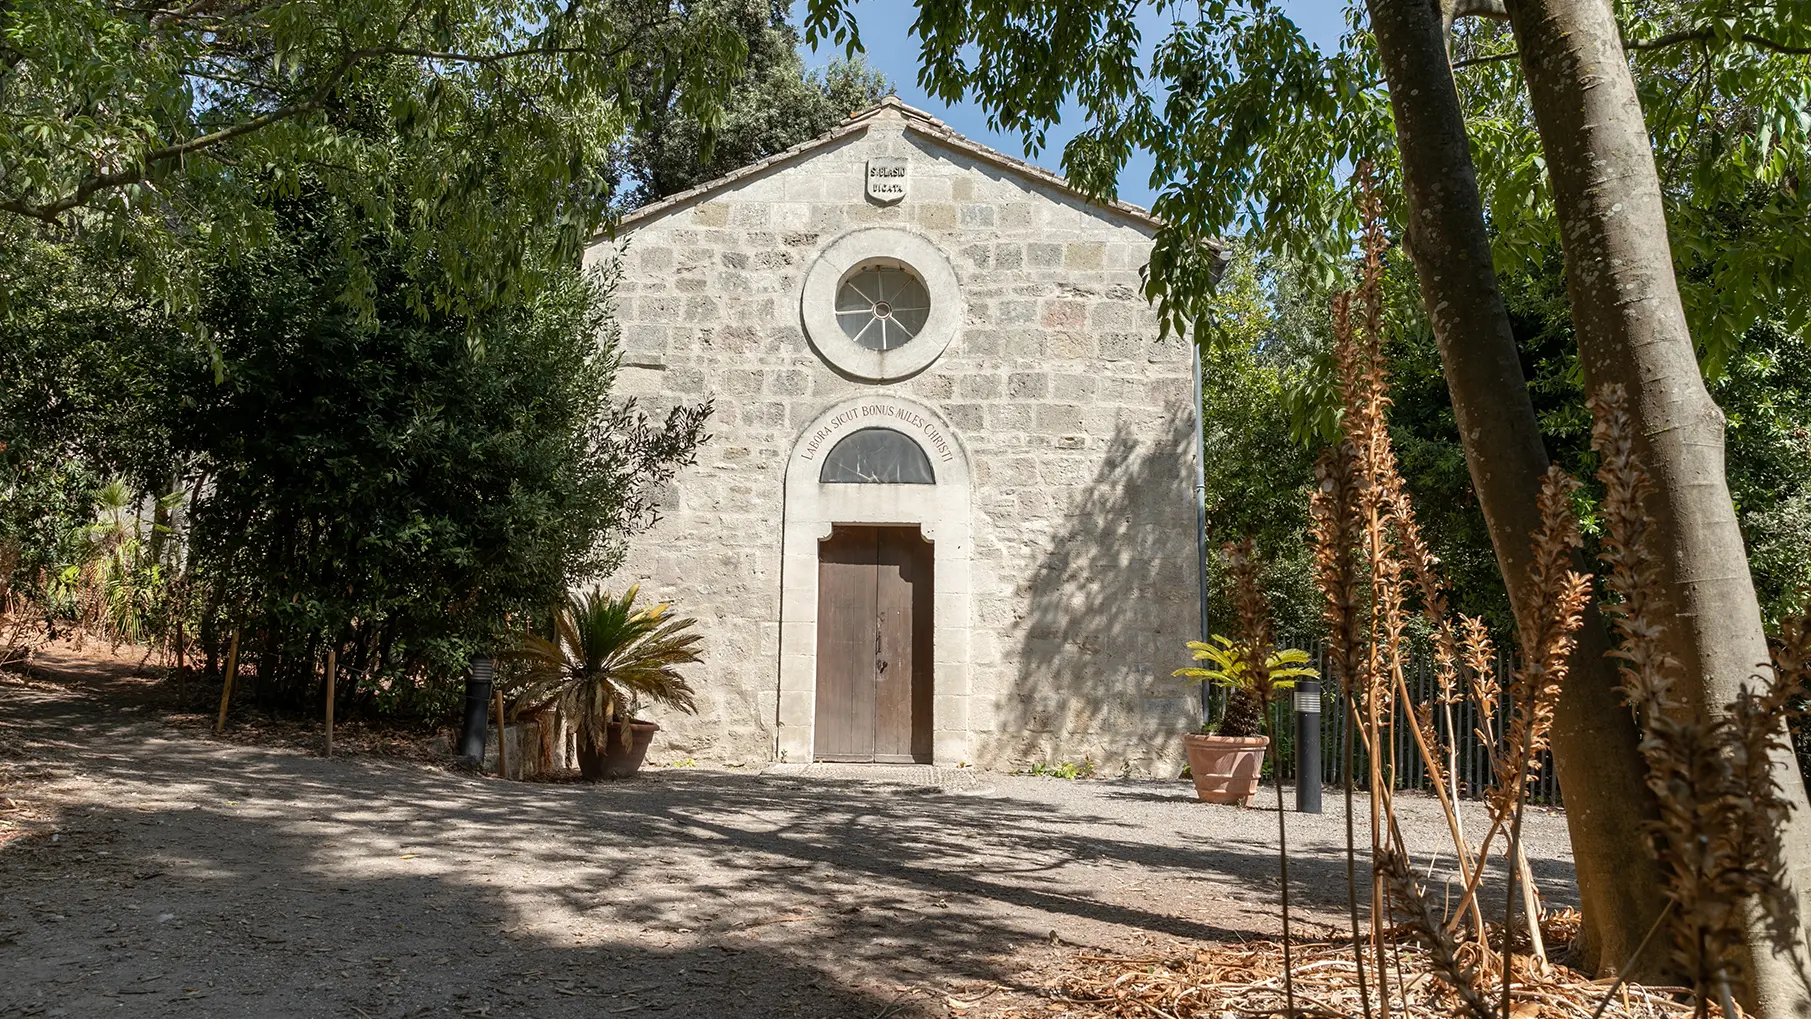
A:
(477, 709)
(1308, 746)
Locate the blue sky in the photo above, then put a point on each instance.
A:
(885, 29)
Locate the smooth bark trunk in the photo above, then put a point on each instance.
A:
(1594, 740)
(1631, 329)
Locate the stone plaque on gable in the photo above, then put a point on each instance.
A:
(886, 178)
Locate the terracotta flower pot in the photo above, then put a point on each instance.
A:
(1225, 768)
(616, 759)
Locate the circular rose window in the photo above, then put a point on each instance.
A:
(881, 307)
(880, 303)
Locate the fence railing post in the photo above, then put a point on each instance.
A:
(1471, 758)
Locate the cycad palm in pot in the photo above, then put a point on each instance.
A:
(1226, 758)
(607, 658)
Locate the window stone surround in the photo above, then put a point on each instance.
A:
(842, 258)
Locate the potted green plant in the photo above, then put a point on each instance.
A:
(605, 658)
(1226, 757)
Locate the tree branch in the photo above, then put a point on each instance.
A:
(491, 58)
(1706, 35)
(1661, 42)
(1452, 10)
(1492, 59)
(141, 167)
(1492, 9)
(118, 178)
(164, 17)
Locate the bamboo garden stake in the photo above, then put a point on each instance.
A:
(226, 689)
(502, 754)
(182, 678)
(332, 671)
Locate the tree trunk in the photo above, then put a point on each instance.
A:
(1631, 329)
(1594, 741)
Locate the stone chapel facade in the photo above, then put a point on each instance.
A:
(947, 513)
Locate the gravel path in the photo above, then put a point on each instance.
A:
(169, 874)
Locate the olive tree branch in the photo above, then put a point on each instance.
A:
(141, 167)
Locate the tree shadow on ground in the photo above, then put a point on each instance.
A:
(395, 889)
(216, 932)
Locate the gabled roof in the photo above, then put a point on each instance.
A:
(916, 121)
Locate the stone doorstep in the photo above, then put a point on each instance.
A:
(914, 776)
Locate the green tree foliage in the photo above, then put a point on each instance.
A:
(322, 285)
(390, 486)
(377, 484)
(1253, 130)
(312, 266)
(165, 130)
(775, 106)
(1268, 376)
(1258, 477)
(81, 403)
(1726, 90)
(1762, 386)
(1766, 391)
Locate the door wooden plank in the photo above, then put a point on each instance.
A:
(902, 598)
(844, 725)
(864, 639)
(893, 653)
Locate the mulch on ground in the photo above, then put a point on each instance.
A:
(1217, 980)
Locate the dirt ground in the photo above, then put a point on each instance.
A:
(152, 868)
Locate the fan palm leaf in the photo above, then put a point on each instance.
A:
(604, 657)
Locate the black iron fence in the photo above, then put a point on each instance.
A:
(1455, 725)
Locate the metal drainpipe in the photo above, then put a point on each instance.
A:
(1201, 512)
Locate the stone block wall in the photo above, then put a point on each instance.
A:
(1077, 422)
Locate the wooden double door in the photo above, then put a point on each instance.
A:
(874, 646)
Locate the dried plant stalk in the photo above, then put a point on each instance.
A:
(1443, 952)
(1720, 810)
(1550, 621)
(1364, 394)
(1792, 654)
(1375, 570)
(1384, 523)
(1256, 643)
(1333, 510)
(1481, 661)
(1550, 626)
(1256, 639)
